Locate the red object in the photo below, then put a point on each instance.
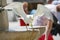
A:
(22, 23)
(43, 37)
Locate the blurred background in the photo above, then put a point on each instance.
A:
(13, 23)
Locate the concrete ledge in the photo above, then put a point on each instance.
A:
(27, 35)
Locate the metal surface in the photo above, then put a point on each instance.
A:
(30, 1)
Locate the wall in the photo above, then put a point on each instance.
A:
(9, 1)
